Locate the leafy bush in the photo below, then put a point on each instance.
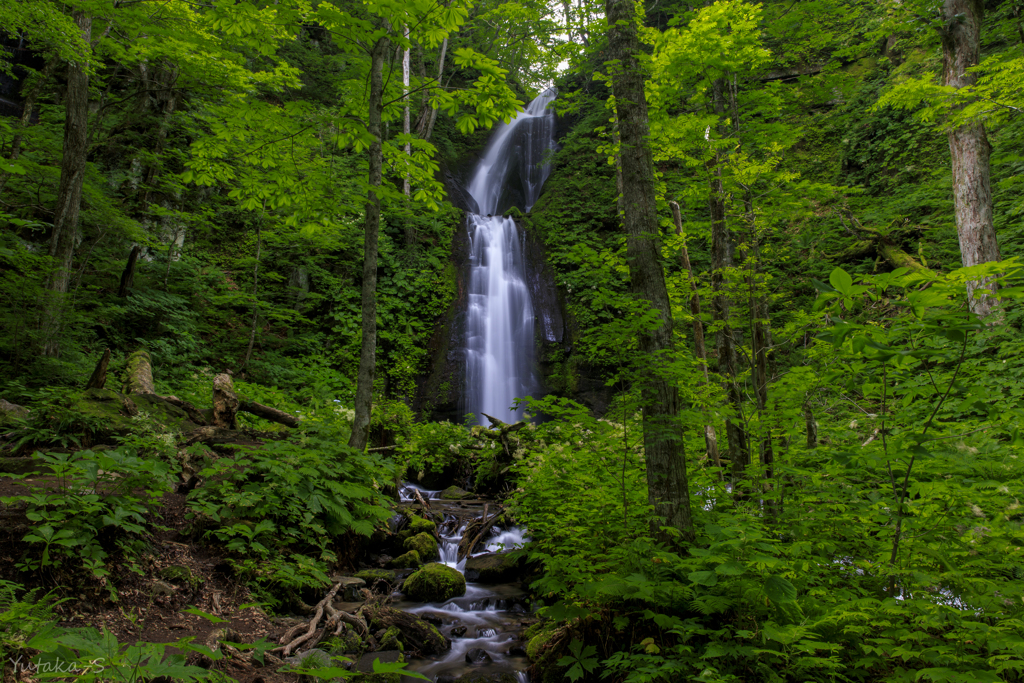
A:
(93, 509)
(293, 498)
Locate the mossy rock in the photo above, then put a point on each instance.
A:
(180, 575)
(378, 580)
(496, 568)
(390, 640)
(425, 545)
(418, 525)
(434, 583)
(455, 493)
(409, 560)
(347, 643)
(537, 643)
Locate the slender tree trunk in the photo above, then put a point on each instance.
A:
(668, 490)
(128, 274)
(721, 260)
(368, 352)
(970, 150)
(30, 95)
(440, 72)
(710, 438)
(255, 289)
(69, 192)
(405, 119)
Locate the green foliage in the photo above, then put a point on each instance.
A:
(435, 446)
(95, 508)
(280, 507)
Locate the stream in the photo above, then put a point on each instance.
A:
(488, 617)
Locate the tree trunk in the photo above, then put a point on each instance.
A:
(721, 259)
(225, 402)
(406, 189)
(710, 438)
(99, 375)
(440, 72)
(128, 274)
(368, 353)
(34, 86)
(969, 149)
(69, 192)
(668, 490)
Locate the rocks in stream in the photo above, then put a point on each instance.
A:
(455, 493)
(409, 560)
(459, 632)
(424, 544)
(414, 633)
(478, 677)
(478, 656)
(496, 568)
(434, 583)
(380, 581)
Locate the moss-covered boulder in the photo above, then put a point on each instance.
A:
(425, 545)
(418, 525)
(409, 560)
(434, 583)
(390, 640)
(381, 581)
(455, 493)
(496, 568)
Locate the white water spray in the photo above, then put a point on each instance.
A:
(499, 330)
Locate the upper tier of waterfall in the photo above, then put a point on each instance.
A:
(499, 318)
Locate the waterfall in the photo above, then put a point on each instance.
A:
(499, 325)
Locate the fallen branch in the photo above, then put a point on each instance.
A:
(422, 502)
(268, 413)
(485, 526)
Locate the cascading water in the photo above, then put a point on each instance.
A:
(499, 329)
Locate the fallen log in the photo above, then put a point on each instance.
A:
(140, 373)
(193, 413)
(211, 436)
(417, 634)
(268, 413)
(879, 242)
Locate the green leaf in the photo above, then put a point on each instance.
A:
(704, 578)
(841, 280)
(730, 569)
(779, 589)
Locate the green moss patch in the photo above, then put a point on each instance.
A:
(435, 583)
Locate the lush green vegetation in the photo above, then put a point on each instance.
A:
(860, 518)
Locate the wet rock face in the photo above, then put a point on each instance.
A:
(478, 656)
(495, 568)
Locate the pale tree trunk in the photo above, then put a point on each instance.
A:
(668, 490)
(969, 149)
(69, 192)
(368, 352)
(440, 72)
(405, 120)
(710, 438)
